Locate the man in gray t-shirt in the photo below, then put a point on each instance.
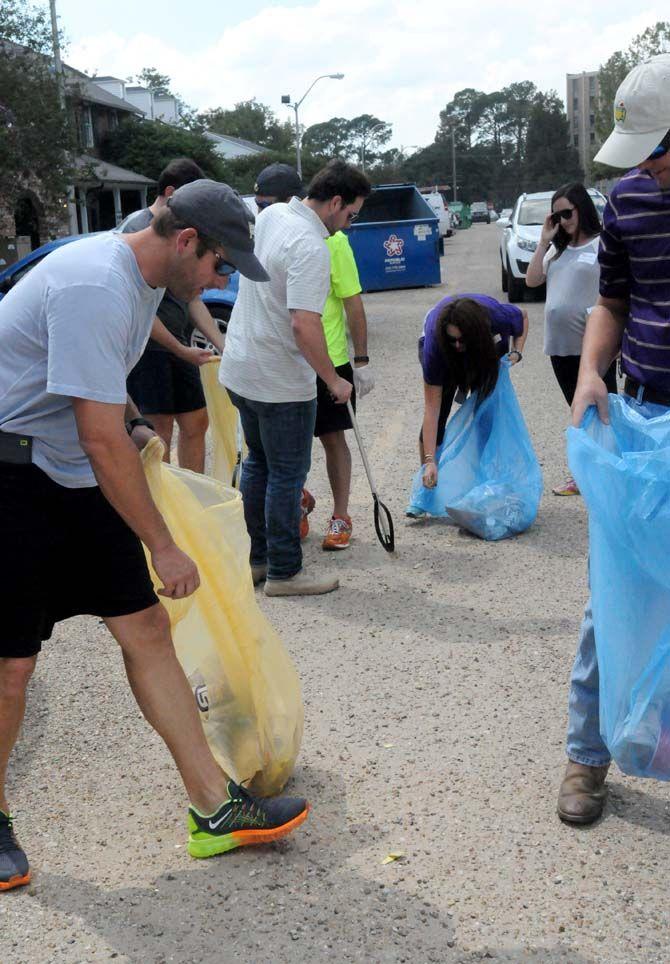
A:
(165, 384)
(74, 501)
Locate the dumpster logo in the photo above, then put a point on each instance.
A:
(394, 246)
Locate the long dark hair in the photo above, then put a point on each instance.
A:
(475, 369)
(588, 221)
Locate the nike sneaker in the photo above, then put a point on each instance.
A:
(243, 820)
(14, 870)
(338, 533)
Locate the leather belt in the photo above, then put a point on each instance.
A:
(645, 394)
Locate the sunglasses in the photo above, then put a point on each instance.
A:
(451, 340)
(221, 266)
(659, 151)
(565, 214)
(262, 205)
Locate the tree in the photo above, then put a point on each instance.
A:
(550, 159)
(355, 140)
(152, 79)
(36, 133)
(652, 41)
(250, 121)
(147, 146)
(329, 138)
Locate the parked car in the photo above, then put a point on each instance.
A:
(505, 215)
(436, 203)
(520, 237)
(479, 212)
(220, 303)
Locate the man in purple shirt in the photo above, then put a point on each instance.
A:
(632, 316)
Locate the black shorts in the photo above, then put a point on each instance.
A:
(64, 552)
(162, 384)
(331, 417)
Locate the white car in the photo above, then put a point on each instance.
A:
(436, 203)
(521, 234)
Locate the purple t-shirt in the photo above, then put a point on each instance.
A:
(506, 322)
(634, 261)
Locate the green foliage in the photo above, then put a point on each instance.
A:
(358, 140)
(35, 131)
(249, 121)
(147, 147)
(652, 41)
(241, 172)
(550, 159)
(152, 79)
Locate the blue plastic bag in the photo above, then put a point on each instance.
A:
(623, 472)
(489, 480)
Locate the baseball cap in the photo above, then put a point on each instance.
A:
(278, 180)
(216, 211)
(641, 114)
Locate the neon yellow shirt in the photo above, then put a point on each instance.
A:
(344, 283)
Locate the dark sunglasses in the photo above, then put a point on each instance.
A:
(222, 266)
(565, 214)
(455, 341)
(262, 205)
(659, 151)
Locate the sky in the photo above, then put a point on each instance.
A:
(402, 61)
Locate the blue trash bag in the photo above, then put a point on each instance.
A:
(489, 480)
(623, 472)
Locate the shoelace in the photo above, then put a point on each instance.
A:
(339, 525)
(246, 798)
(7, 839)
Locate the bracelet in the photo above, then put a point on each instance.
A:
(136, 422)
(429, 458)
(515, 351)
(361, 358)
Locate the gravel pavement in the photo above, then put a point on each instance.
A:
(435, 689)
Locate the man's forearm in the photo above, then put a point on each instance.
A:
(203, 321)
(357, 324)
(166, 339)
(602, 338)
(310, 339)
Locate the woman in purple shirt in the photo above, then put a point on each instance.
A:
(464, 337)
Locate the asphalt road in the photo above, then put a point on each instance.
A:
(435, 686)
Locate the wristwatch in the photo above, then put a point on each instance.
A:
(136, 422)
(364, 359)
(515, 351)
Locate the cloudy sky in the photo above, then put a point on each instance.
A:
(402, 60)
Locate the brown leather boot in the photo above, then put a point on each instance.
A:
(582, 795)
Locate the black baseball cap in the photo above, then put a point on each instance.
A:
(216, 211)
(278, 180)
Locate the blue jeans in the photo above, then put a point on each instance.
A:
(584, 743)
(279, 438)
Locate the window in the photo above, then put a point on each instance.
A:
(113, 120)
(86, 127)
(593, 137)
(576, 140)
(575, 103)
(592, 119)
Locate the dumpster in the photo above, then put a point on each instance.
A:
(396, 239)
(462, 212)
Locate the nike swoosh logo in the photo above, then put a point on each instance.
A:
(214, 824)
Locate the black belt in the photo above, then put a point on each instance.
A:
(632, 387)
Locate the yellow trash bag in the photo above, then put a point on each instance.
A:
(245, 685)
(227, 442)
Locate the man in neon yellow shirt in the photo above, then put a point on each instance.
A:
(344, 308)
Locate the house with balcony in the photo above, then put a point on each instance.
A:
(102, 193)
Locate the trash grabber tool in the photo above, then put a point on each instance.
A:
(383, 520)
(237, 470)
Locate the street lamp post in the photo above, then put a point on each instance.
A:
(286, 99)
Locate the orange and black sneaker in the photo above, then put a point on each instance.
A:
(243, 820)
(338, 534)
(14, 870)
(307, 503)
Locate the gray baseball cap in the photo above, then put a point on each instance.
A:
(216, 211)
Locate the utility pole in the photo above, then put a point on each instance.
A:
(60, 80)
(286, 99)
(453, 159)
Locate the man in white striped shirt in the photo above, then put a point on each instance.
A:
(274, 349)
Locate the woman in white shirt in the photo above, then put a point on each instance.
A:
(567, 259)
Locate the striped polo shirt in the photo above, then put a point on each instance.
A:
(634, 261)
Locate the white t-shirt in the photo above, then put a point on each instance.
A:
(75, 326)
(261, 360)
(572, 288)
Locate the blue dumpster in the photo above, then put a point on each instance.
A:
(396, 239)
